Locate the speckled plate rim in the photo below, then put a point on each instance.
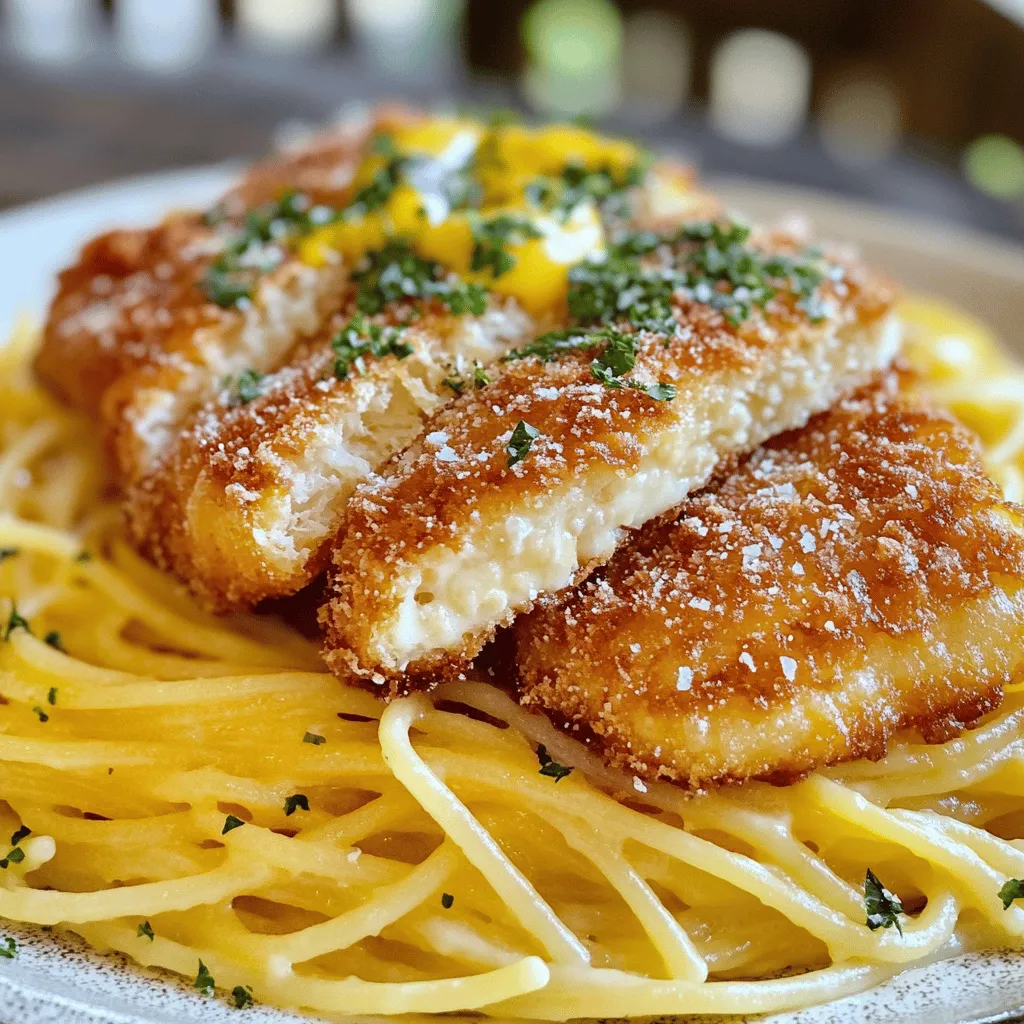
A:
(58, 980)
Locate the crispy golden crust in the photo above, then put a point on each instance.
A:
(455, 482)
(851, 579)
(251, 497)
(131, 300)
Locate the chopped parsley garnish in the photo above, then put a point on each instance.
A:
(883, 908)
(15, 621)
(315, 738)
(8, 949)
(577, 185)
(6, 553)
(447, 899)
(22, 833)
(231, 823)
(253, 249)
(459, 383)
(249, 386)
(710, 261)
(384, 182)
(53, 640)
(519, 443)
(145, 931)
(242, 995)
(617, 358)
(395, 272)
(360, 338)
(551, 768)
(1012, 890)
(491, 239)
(16, 856)
(293, 803)
(204, 980)
(83, 556)
(41, 714)
(51, 695)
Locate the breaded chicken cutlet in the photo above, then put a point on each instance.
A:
(688, 349)
(852, 579)
(142, 332)
(240, 427)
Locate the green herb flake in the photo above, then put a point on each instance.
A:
(491, 239)
(520, 442)
(383, 183)
(294, 802)
(6, 553)
(22, 833)
(83, 556)
(577, 184)
(395, 273)
(231, 823)
(16, 856)
(15, 621)
(8, 949)
(256, 246)
(550, 768)
(447, 899)
(883, 908)
(459, 382)
(41, 714)
(242, 996)
(315, 738)
(204, 980)
(360, 338)
(51, 696)
(53, 640)
(249, 386)
(1012, 890)
(145, 931)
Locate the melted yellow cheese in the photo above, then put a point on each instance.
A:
(506, 161)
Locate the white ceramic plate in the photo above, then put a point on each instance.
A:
(61, 982)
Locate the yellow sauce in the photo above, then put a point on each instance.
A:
(507, 160)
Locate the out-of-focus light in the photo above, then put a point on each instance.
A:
(656, 65)
(760, 87)
(575, 56)
(860, 119)
(286, 26)
(995, 164)
(405, 37)
(51, 31)
(166, 36)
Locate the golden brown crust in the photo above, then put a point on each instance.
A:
(849, 580)
(235, 472)
(433, 495)
(132, 299)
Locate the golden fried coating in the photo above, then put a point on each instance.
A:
(449, 540)
(252, 494)
(851, 579)
(133, 338)
(240, 494)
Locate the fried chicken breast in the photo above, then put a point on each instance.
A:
(218, 351)
(252, 493)
(519, 489)
(851, 579)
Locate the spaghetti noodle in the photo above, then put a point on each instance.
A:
(198, 793)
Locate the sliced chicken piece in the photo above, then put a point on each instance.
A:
(520, 489)
(852, 579)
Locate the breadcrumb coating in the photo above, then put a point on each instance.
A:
(849, 580)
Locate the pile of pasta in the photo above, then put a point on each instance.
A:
(198, 793)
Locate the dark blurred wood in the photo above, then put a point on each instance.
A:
(65, 130)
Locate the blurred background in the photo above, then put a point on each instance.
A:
(915, 104)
